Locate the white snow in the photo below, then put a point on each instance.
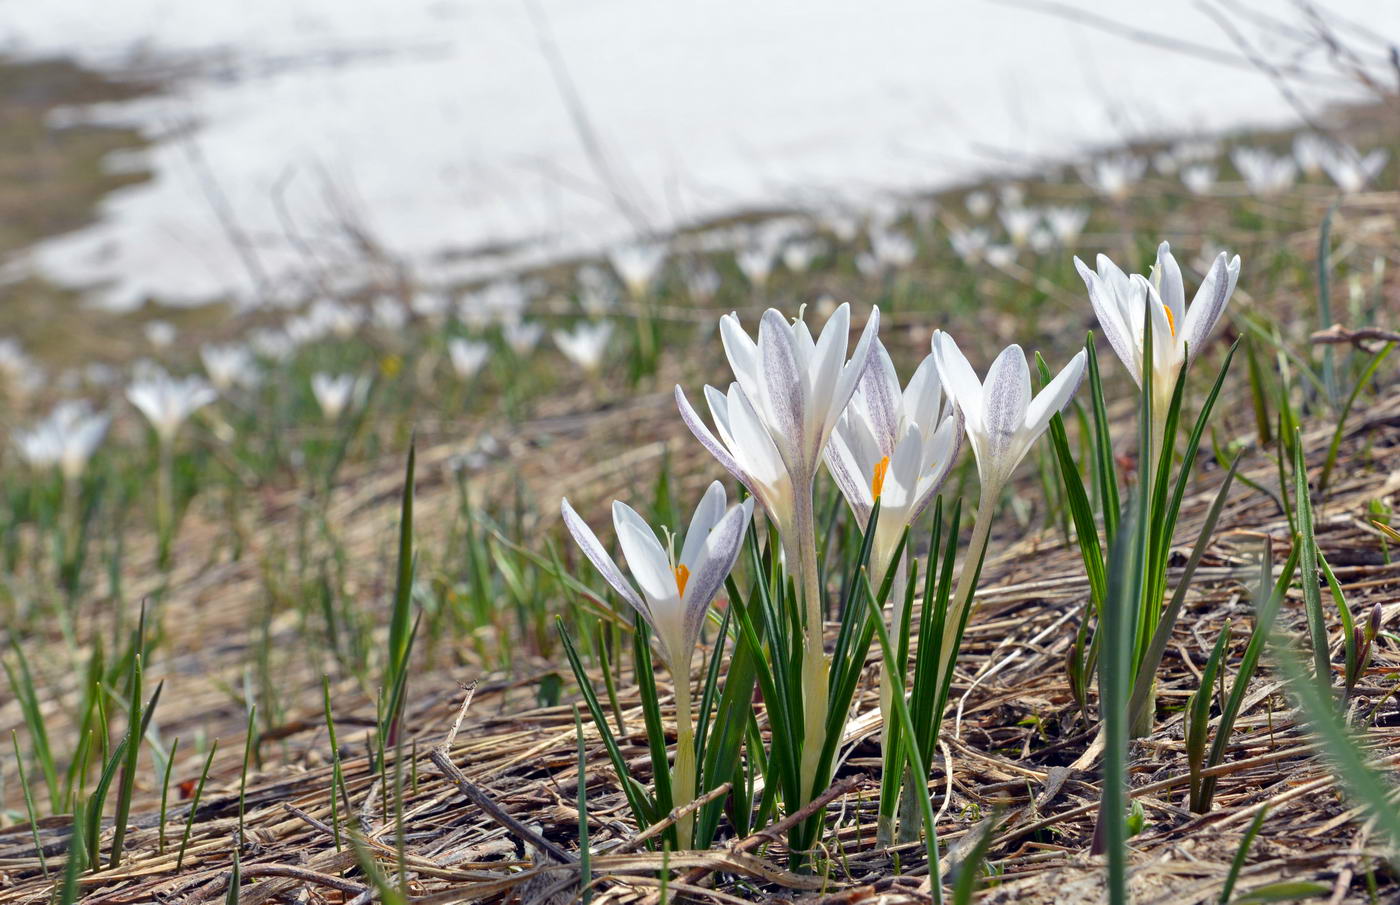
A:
(436, 125)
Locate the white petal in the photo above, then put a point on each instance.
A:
(1007, 395)
(713, 564)
(708, 440)
(959, 379)
(854, 369)
(1056, 395)
(646, 558)
(846, 471)
(783, 398)
(707, 515)
(1166, 275)
(827, 358)
(588, 542)
(741, 352)
(1114, 326)
(1209, 303)
(879, 398)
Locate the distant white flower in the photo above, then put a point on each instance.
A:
(338, 393)
(756, 264)
(702, 281)
(160, 334)
(467, 356)
(585, 344)
(228, 365)
(1000, 256)
(1166, 162)
(522, 336)
(304, 329)
(269, 342)
(1309, 151)
(798, 256)
(1352, 171)
(340, 320)
(1114, 175)
(1066, 223)
(431, 306)
(1041, 240)
(1199, 178)
(892, 250)
(924, 211)
(844, 225)
(969, 244)
(979, 203)
(1019, 221)
(15, 365)
(1264, 173)
(1196, 150)
(1011, 194)
(67, 438)
(1002, 418)
(388, 314)
(168, 402)
(638, 265)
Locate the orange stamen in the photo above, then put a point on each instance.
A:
(1171, 321)
(682, 576)
(877, 480)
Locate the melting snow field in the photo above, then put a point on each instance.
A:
(437, 126)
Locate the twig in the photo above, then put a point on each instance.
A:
(479, 798)
(1337, 335)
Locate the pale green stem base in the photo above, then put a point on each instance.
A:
(815, 698)
(683, 772)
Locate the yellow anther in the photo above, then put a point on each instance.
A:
(877, 480)
(1171, 321)
(682, 576)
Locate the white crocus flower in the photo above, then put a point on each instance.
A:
(979, 203)
(1199, 178)
(892, 250)
(1019, 221)
(467, 356)
(1309, 152)
(388, 314)
(756, 264)
(66, 439)
(797, 256)
(1115, 175)
(522, 336)
(1352, 171)
(1264, 173)
(893, 445)
(1002, 418)
(1066, 223)
(228, 366)
(336, 393)
(1003, 421)
(585, 344)
(1178, 332)
(702, 282)
(673, 594)
(791, 391)
(969, 244)
(638, 265)
(168, 402)
(160, 334)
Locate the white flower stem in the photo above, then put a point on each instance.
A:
(683, 772)
(814, 665)
(165, 500)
